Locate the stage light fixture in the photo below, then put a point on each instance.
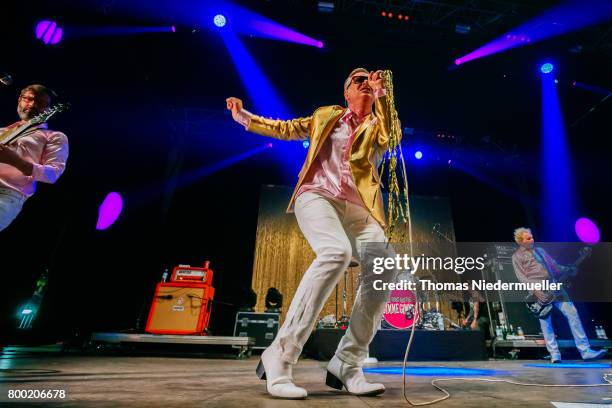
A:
(462, 28)
(306, 144)
(220, 20)
(173, 28)
(326, 7)
(274, 301)
(547, 68)
(418, 154)
(48, 32)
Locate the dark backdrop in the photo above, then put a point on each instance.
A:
(150, 107)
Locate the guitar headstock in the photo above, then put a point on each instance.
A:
(585, 251)
(49, 113)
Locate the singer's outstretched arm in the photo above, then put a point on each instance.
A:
(293, 129)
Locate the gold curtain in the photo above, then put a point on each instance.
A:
(282, 254)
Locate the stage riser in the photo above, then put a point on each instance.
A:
(390, 345)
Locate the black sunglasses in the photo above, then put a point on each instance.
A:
(359, 79)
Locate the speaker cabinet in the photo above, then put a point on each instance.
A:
(180, 308)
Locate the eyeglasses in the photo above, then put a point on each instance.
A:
(27, 98)
(358, 80)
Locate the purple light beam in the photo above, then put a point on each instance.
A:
(570, 16)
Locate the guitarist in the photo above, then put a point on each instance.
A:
(533, 264)
(39, 154)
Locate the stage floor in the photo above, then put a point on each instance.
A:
(111, 381)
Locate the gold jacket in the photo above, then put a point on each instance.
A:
(369, 144)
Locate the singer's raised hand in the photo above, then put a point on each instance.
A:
(375, 80)
(234, 105)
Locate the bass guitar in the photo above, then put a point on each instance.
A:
(541, 307)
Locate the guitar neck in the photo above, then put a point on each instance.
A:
(569, 274)
(12, 134)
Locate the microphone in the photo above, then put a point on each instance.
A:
(6, 79)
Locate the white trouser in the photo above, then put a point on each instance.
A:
(571, 314)
(335, 229)
(10, 206)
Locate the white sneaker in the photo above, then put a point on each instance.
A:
(278, 375)
(351, 377)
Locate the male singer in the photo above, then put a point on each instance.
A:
(338, 206)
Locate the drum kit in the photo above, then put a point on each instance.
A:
(401, 312)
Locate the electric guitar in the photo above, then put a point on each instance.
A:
(541, 308)
(13, 134)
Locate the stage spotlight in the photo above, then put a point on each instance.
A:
(109, 211)
(220, 20)
(418, 154)
(547, 68)
(587, 231)
(326, 7)
(274, 301)
(48, 32)
(306, 144)
(462, 28)
(173, 28)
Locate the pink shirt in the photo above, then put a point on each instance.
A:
(330, 174)
(46, 149)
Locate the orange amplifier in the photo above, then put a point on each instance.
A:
(187, 273)
(183, 305)
(180, 308)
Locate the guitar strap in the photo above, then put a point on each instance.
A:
(541, 257)
(544, 259)
(26, 132)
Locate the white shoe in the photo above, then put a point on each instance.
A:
(594, 355)
(278, 376)
(351, 377)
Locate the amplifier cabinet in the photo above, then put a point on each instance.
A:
(180, 308)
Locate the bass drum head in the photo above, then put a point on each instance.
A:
(400, 310)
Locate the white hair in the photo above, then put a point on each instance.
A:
(518, 233)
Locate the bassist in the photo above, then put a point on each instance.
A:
(533, 264)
